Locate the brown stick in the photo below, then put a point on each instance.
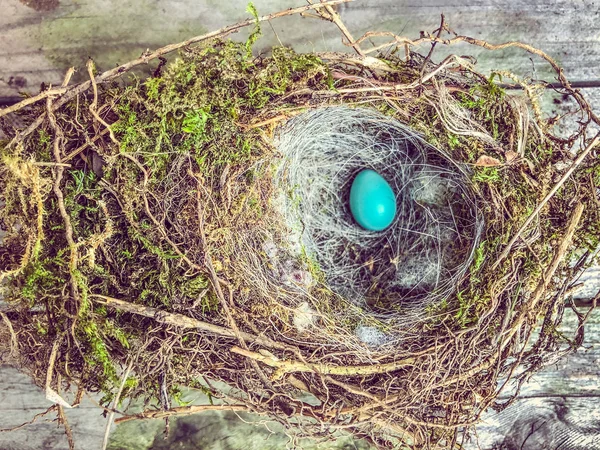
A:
(94, 105)
(433, 44)
(14, 342)
(335, 18)
(181, 411)
(68, 94)
(36, 417)
(115, 404)
(270, 121)
(181, 321)
(82, 147)
(559, 255)
(287, 366)
(29, 101)
(547, 198)
(62, 419)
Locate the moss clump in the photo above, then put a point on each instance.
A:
(184, 127)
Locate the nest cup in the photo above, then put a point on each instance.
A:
(421, 257)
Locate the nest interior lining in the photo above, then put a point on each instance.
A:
(423, 255)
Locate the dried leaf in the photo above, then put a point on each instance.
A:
(54, 397)
(487, 161)
(510, 156)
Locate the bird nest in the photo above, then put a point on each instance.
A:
(178, 231)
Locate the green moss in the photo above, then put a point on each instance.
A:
(41, 277)
(486, 175)
(478, 258)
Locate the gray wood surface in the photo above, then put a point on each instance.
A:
(38, 46)
(20, 400)
(558, 408)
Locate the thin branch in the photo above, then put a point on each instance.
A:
(181, 411)
(111, 415)
(433, 44)
(547, 198)
(50, 164)
(14, 342)
(82, 147)
(36, 417)
(287, 366)
(31, 100)
(94, 105)
(335, 18)
(62, 418)
(181, 321)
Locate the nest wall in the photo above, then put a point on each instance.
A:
(150, 243)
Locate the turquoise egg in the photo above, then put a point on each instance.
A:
(372, 201)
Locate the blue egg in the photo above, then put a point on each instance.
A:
(372, 201)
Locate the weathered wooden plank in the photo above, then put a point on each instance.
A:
(38, 46)
(20, 400)
(559, 408)
(556, 423)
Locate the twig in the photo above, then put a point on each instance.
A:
(181, 321)
(180, 411)
(407, 437)
(82, 147)
(559, 255)
(368, 62)
(94, 105)
(51, 394)
(547, 198)
(111, 415)
(51, 361)
(270, 121)
(50, 164)
(287, 366)
(36, 417)
(145, 58)
(29, 101)
(62, 418)
(335, 18)
(433, 44)
(68, 77)
(14, 342)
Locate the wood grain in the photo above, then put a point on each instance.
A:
(39, 46)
